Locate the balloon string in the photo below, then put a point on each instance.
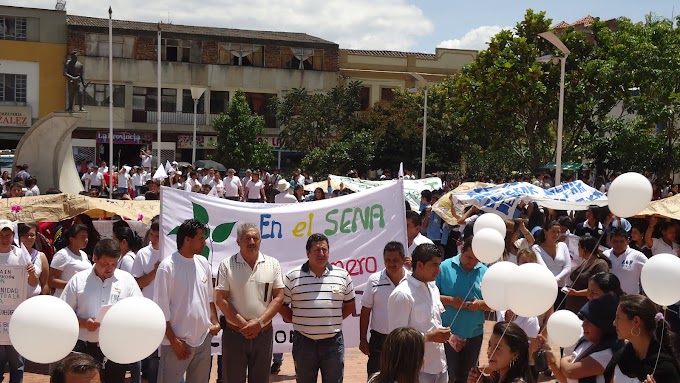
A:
(495, 348)
(582, 267)
(663, 330)
(460, 308)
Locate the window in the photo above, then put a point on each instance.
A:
(260, 104)
(387, 94)
(98, 95)
(365, 97)
(98, 45)
(13, 87)
(219, 102)
(302, 58)
(188, 102)
(12, 28)
(169, 100)
(181, 50)
(144, 98)
(241, 54)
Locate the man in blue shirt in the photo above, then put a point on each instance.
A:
(459, 284)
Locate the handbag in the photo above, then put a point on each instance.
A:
(540, 361)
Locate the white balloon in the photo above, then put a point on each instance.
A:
(659, 279)
(43, 329)
(489, 220)
(488, 245)
(564, 328)
(629, 194)
(532, 290)
(495, 284)
(131, 330)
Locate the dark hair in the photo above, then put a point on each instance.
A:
(518, 342)
(76, 229)
(76, 363)
(640, 306)
(427, 194)
(30, 181)
(467, 243)
(619, 232)
(53, 191)
(316, 237)
(155, 223)
(129, 235)
(107, 248)
(608, 283)
(24, 228)
(321, 191)
(424, 253)
(188, 228)
(591, 245)
(402, 356)
(414, 217)
(565, 221)
(150, 196)
(394, 246)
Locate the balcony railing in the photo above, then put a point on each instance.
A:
(178, 118)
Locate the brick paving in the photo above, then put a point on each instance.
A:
(355, 366)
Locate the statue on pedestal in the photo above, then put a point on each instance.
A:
(74, 71)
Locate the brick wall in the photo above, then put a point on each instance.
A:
(76, 42)
(272, 56)
(331, 60)
(210, 54)
(145, 48)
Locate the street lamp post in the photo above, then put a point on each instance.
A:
(196, 93)
(554, 40)
(422, 80)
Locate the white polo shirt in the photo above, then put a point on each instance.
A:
(86, 293)
(627, 267)
(378, 289)
(231, 185)
(317, 302)
(69, 264)
(659, 246)
(418, 240)
(417, 304)
(184, 292)
(250, 290)
(145, 261)
(126, 261)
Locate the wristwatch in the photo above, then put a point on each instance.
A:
(260, 322)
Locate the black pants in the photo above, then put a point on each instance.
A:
(232, 198)
(375, 345)
(461, 362)
(111, 372)
(257, 200)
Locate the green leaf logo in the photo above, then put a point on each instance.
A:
(200, 214)
(219, 234)
(222, 231)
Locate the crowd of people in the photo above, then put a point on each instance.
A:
(421, 317)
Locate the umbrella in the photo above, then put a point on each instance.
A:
(210, 164)
(183, 164)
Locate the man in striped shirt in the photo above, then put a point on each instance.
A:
(317, 297)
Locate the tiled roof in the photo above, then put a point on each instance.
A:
(93, 22)
(560, 25)
(585, 21)
(390, 53)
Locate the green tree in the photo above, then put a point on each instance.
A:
(312, 120)
(237, 136)
(352, 151)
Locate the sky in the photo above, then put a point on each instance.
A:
(403, 25)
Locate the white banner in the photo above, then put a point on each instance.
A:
(12, 293)
(358, 227)
(504, 199)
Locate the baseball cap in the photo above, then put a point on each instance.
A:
(6, 224)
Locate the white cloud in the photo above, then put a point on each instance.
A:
(477, 38)
(358, 24)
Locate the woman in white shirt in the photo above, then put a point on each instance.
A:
(666, 244)
(69, 260)
(595, 349)
(27, 235)
(555, 256)
(255, 189)
(217, 183)
(130, 243)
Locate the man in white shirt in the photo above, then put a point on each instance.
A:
(627, 263)
(416, 303)
(103, 168)
(184, 292)
(413, 226)
(97, 180)
(232, 186)
(32, 187)
(374, 304)
(284, 196)
(90, 290)
(11, 255)
(191, 181)
(138, 179)
(249, 293)
(208, 175)
(145, 155)
(246, 179)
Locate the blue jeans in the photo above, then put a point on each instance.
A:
(310, 356)
(8, 355)
(424, 377)
(152, 363)
(277, 357)
(135, 372)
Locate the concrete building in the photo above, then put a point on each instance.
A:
(261, 63)
(383, 71)
(32, 57)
